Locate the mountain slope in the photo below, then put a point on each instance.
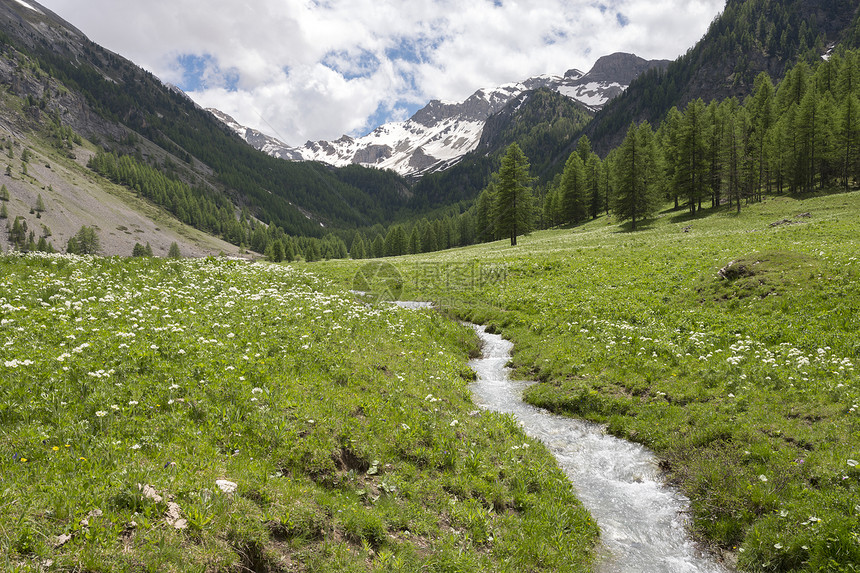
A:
(71, 82)
(749, 37)
(442, 133)
(541, 122)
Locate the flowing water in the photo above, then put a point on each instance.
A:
(642, 521)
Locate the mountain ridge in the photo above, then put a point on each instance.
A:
(438, 135)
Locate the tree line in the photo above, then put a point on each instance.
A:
(799, 137)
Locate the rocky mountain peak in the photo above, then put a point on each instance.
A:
(440, 133)
(622, 68)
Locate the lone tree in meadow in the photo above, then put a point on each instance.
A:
(173, 252)
(514, 203)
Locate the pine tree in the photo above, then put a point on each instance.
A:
(312, 253)
(808, 128)
(289, 250)
(485, 220)
(691, 167)
(4, 214)
(514, 206)
(429, 240)
(849, 139)
(40, 204)
(4, 193)
(378, 247)
(414, 241)
(669, 136)
(583, 148)
(173, 252)
(358, 250)
(85, 242)
(734, 151)
(593, 172)
(574, 201)
(636, 193)
(762, 117)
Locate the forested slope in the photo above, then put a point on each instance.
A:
(749, 37)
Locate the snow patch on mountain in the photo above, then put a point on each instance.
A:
(26, 5)
(441, 133)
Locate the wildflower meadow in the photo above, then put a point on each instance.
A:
(212, 415)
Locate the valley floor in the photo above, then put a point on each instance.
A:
(205, 415)
(726, 343)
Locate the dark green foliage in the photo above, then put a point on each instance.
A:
(358, 250)
(193, 206)
(4, 193)
(173, 252)
(18, 232)
(514, 205)
(85, 242)
(141, 250)
(749, 37)
(636, 176)
(573, 191)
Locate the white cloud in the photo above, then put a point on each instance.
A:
(315, 69)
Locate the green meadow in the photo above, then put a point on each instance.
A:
(726, 343)
(206, 415)
(210, 415)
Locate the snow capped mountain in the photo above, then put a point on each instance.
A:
(441, 133)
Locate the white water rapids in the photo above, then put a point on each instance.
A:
(642, 521)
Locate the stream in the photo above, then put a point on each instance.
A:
(642, 520)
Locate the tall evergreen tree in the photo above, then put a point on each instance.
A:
(358, 250)
(377, 248)
(574, 199)
(669, 136)
(485, 219)
(428, 239)
(636, 180)
(514, 206)
(849, 139)
(691, 170)
(414, 241)
(762, 117)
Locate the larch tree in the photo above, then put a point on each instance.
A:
(636, 193)
(849, 139)
(573, 190)
(691, 168)
(514, 203)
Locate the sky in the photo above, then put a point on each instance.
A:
(305, 70)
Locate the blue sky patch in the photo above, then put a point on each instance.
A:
(352, 66)
(623, 20)
(414, 50)
(203, 72)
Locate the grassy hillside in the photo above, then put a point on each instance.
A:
(202, 415)
(728, 344)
